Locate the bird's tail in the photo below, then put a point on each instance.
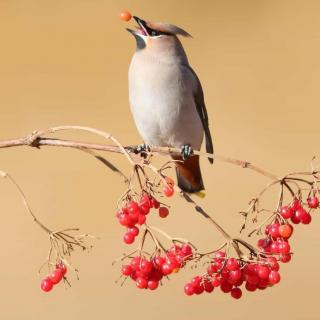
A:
(189, 175)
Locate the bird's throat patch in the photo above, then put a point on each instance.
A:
(140, 42)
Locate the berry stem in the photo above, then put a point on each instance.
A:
(155, 239)
(172, 239)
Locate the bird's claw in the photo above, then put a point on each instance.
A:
(142, 149)
(186, 151)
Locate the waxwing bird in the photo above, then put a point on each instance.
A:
(166, 98)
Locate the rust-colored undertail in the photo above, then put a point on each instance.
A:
(189, 174)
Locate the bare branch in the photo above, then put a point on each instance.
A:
(37, 139)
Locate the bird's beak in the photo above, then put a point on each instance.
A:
(131, 31)
(142, 28)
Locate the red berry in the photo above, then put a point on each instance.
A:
(264, 243)
(174, 249)
(134, 216)
(283, 247)
(153, 285)
(156, 275)
(212, 269)
(216, 281)
(134, 276)
(236, 293)
(313, 202)
(263, 283)
(169, 181)
(267, 248)
(133, 230)
(225, 274)
(125, 15)
(159, 261)
(189, 289)
(253, 279)
(232, 264)
(219, 256)
(263, 272)
(180, 257)
(128, 238)
(208, 287)
(126, 270)
(273, 263)
(296, 204)
(62, 267)
(285, 258)
(173, 263)
(226, 287)
(251, 287)
(142, 219)
(166, 269)
(56, 276)
(250, 269)
(168, 191)
(144, 209)
(295, 219)
(306, 219)
(274, 247)
(133, 207)
(267, 229)
(163, 212)
(141, 283)
(46, 284)
(186, 250)
(196, 281)
(135, 263)
(285, 231)
(154, 203)
(146, 266)
(274, 230)
(198, 290)
(125, 220)
(145, 200)
(301, 214)
(286, 212)
(274, 277)
(260, 243)
(235, 276)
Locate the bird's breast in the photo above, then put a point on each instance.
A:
(162, 104)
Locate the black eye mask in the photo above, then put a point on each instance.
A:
(155, 33)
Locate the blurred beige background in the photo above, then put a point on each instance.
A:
(65, 62)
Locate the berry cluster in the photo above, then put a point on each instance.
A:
(230, 274)
(276, 241)
(54, 278)
(296, 213)
(278, 233)
(148, 273)
(135, 213)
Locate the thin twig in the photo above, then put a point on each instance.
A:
(24, 200)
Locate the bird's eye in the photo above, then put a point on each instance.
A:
(155, 33)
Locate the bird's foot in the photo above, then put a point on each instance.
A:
(142, 149)
(186, 151)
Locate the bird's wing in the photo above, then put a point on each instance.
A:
(202, 111)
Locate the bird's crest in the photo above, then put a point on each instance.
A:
(167, 28)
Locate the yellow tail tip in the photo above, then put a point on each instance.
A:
(201, 194)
